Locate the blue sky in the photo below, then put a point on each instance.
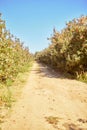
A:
(33, 20)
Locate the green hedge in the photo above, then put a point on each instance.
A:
(13, 55)
(68, 48)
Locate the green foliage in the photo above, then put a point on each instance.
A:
(7, 98)
(68, 48)
(14, 57)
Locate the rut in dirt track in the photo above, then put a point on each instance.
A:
(49, 102)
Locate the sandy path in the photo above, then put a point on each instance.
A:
(49, 102)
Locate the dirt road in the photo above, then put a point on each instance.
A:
(49, 102)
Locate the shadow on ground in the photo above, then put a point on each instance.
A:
(55, 121)
(45, 71)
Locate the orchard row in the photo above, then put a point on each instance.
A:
(14, 57)
(68, 49)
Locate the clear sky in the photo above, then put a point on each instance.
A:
(33, 20)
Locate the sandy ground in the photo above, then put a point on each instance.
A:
(49, 102)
